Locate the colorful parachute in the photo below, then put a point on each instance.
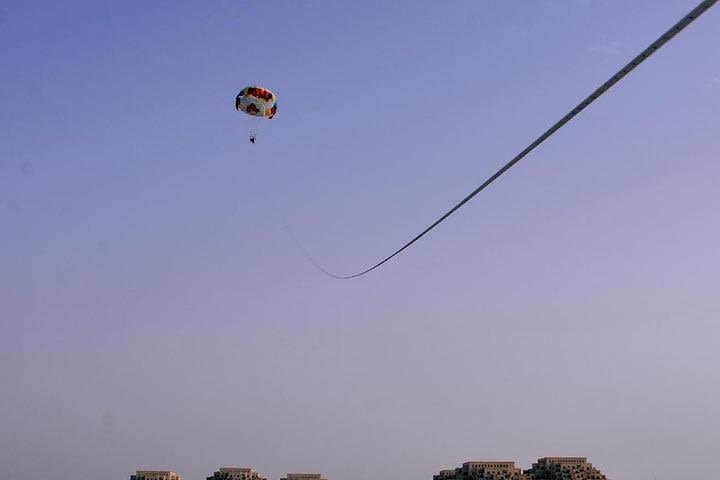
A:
(257, 101)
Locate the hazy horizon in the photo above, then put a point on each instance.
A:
(155, 313)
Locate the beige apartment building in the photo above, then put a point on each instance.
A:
(491, 470)
(236, 473)
(155, 475)
(303, 476)
(564, 468)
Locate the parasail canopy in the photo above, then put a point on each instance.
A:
(256, 101)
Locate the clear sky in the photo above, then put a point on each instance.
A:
(154, 313)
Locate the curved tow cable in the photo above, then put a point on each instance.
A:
(655, 46)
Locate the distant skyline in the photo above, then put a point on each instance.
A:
(155, 312)
(545, 468)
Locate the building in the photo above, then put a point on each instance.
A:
(236, 473)
(303, 476)
(564, 468)
(483, 471)
(155, 475)
(446, 474)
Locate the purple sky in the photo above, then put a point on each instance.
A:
(155, 313)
